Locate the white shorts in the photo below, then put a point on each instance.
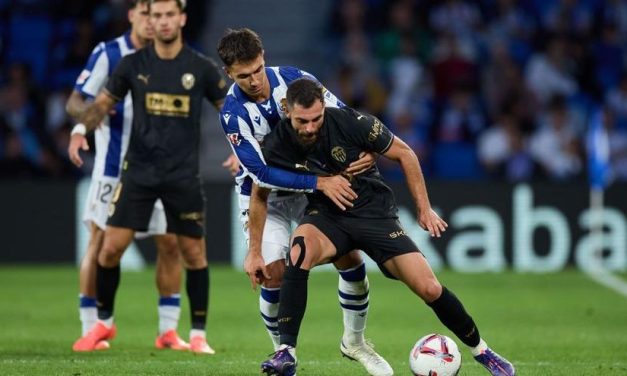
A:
(282, 211)
(97, 207)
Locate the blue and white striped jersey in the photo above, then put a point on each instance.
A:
(113, 136)
(246, 123)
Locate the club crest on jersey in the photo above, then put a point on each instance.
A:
(234, 138)
(283, 104)
(339, 154)
(188, 80)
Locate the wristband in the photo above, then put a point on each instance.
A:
(79, 129)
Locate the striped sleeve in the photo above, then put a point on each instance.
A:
(240, 137)
(94, 75)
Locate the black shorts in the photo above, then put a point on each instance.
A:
(380, 238)
(183, 200)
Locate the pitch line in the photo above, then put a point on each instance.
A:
(608, 280)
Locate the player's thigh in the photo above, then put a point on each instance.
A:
(116, 240)
(414, 270)
(99, 196)
(276, 232)
(311, 246)
(328, 239)
(381, 239)
(184, 204)
(131, 205)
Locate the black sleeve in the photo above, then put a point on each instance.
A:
(120, 80)
(215, 88)
(367, 131)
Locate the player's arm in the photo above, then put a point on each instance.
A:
(249, 153)
(91, 117)
(254, 264)
(76, 105)
(428, 219)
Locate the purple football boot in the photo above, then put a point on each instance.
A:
(282, 363)
(496, 364)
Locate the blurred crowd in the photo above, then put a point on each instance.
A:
(44, 45)
(499, 89)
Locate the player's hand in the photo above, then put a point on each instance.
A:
(255, 267)
(364, 163)
(231, 164)
(338, 189)
(430, 221)
(77, 142)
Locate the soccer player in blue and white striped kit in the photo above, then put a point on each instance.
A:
(111, 143)
(253, 106)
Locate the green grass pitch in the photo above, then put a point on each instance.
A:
(547, 324)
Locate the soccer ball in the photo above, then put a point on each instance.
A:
(435, 355)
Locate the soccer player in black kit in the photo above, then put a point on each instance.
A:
(323, 141)
(168, 82)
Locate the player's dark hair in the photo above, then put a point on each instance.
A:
(179, 3)
(132, 4)
(239, 45)
(304, 92)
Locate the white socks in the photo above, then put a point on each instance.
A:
(353, 295)
(169, 312)
(269, 309)
(479, 349)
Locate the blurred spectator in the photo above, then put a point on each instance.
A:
(616, 100)
(549, 73)
(609, 57)
(357, 81)
(571, 17)
(461, 120)
(453, 65)
(503, 153)
(617, 147)
(555, 146)
(457, 17)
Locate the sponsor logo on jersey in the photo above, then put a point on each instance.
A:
(143, 78)
(188, 81)
(375, 132)
(234, 138)
(192, 216)
(167, 104)
(83, 77)
(396, 234)
(303, 166)
(339, 154)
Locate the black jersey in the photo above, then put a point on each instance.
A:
(344, 134)
(167, 102)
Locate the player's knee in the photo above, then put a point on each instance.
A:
(194, 257)
(167, 246)
(430, 290)
(302, 254)
(110, 255)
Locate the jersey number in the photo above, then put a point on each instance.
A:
(104, 191)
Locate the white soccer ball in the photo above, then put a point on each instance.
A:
(435, 355)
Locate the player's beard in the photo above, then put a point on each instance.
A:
(168, 40)
(308, 140)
